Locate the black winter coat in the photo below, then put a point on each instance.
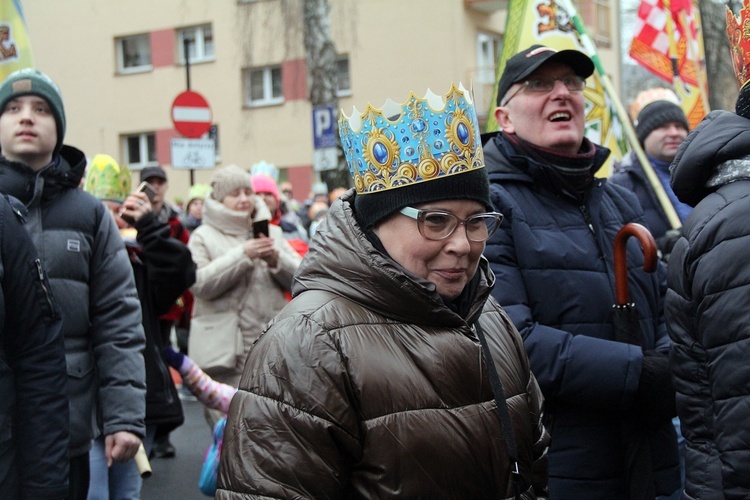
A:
(34, 420)
(163, 270)
(88, 269)
(630, 175)
(708, 307)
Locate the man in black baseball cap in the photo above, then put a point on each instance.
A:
(521, 65)
(553, 256)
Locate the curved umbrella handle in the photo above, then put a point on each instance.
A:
(622, 294)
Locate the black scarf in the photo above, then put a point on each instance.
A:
(558, 172)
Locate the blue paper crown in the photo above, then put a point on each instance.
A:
(417, 141)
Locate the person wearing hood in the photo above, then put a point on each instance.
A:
(88, 268)
(393, 372)
(242, 276)
(553, 255)
(709, 288)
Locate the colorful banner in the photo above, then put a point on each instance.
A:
(549, 23)
(669, 43)
(652, 41)
(15, 46)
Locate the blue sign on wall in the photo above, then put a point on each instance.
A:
(324, 127)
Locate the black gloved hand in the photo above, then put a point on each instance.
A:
(654, 402)
(666, 243)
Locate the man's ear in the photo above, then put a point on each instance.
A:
(502, 116)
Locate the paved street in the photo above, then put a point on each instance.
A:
(177, 478)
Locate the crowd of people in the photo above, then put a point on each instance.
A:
(443, 329)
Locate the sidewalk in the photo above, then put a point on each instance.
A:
(177, 478)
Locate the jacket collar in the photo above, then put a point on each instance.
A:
(343, 261)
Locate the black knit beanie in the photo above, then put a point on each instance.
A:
(371, 208)
(657, 114)
(29, 81)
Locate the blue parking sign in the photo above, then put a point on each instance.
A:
(324, 127)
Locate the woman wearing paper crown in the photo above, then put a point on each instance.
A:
(709, 293)
(379, 378)
(163, 269)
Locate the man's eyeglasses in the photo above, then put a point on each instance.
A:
(545, 85)
(438, 224)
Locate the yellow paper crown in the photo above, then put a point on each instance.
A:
(107, 180)
(416, 141)
(738, 31)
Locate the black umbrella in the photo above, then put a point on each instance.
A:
(636, 446)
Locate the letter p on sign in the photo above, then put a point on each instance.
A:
(324, 130)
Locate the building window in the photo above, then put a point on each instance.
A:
(134, 54)
(488, 53)
(263, 86)
(601, 22)
(140, 150)
(200, 43)
(343, 80)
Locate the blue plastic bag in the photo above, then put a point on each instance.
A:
(210, 469)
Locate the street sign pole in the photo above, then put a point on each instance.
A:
(186, 50)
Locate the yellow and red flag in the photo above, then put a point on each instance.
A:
(669, 43)
(557, 24)
(15, 46)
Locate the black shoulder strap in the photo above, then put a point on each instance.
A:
(502, 411)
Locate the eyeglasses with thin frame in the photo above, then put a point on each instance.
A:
(438, 225)
(573, 83)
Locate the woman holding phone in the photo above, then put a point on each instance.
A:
(244, 268)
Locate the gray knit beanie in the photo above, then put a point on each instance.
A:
(227, 179)
(29, 81)
(658, 114)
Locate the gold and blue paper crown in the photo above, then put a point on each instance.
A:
(417, 141)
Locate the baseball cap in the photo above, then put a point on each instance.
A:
(149, 172)
(526, 62)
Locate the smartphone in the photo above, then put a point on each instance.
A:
(145, 187)
(260, 227)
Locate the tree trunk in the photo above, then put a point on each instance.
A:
(722, 84)
(321, 70)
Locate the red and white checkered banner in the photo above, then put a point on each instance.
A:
(652, 45)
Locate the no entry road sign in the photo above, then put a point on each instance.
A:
(191, 114)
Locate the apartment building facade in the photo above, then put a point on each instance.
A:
(120, 65)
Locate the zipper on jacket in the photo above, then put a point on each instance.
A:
(586, 217)
(43, 282)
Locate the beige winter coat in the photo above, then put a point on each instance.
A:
(229, 281)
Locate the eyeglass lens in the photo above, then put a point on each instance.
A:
(440, 225)
(572, 83)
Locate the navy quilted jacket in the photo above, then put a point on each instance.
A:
(553, 260)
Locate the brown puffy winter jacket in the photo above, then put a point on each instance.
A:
(368, 386)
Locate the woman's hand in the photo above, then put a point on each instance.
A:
(262, 248)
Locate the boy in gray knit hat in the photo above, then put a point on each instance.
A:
(88, 268)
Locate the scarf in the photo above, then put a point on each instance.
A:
(559, 172)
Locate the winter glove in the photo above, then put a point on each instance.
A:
(655, 400)
(666, 243)
(173, 358)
